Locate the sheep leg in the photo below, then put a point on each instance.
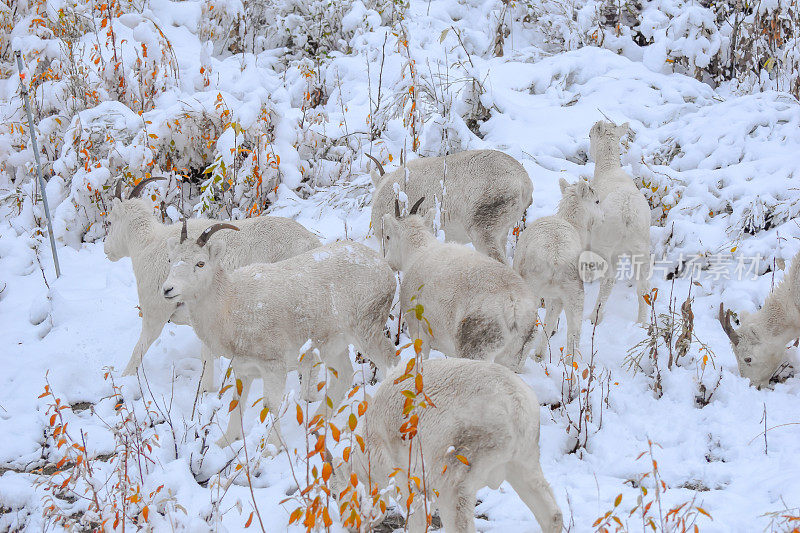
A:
(528, 481)
(490, 242)
(151, 329)
(553, 308)
(273, 377)
(207, 381)
(308, 385)
(338, 383)
(605, 291)
(381, 351)
(574, 312)
(457, 509)
(235, 429)
(643, 288)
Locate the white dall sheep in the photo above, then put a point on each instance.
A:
(134, 232)
(484, 414)
(482, 195)
(455, 299)
(262, 315)
(547, 256)
(625, 229)
(759, 344)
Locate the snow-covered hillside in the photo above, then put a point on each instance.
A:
(255, 108)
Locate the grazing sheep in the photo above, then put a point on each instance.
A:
(625, 229)
(547, 256)
(262, 315)
(134, 232)
(471, 305)
(484, 414)
(760, 342)
(482, 195)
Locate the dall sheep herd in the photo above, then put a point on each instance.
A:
(263, 290)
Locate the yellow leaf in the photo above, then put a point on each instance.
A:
(462, 459)
(264, 413)
(352, 422)
(239, 386)
(618, 500)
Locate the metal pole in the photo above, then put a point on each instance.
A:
(38, 164)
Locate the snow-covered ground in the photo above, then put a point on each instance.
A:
(720, 169)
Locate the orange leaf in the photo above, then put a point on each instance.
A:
(249, 520)
(462, 459)
(418, 383)
(327, 470)
(264, 413)
(352, 422)
(233, 405)
(145, 513)
(362, 408)
(299, 414)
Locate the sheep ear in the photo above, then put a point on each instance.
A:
(216, 248)
(115, 202)
(172, 242)
(375, 177)
(583, 188)
(623, 129)
(429, 218)
(563, 184)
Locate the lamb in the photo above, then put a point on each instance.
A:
(262, 315)
(759, 344)
(135, 233)
(483, 413)
(547, 257)
(625, 229)
(455, 299)
(482, 195)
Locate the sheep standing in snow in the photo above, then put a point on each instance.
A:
(134, 232)
(471, 305)
(262, 315)
(625, 229)
(547, 256)
(760, 342)
(482, 195)
(483, 413)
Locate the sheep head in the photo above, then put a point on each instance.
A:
(580, 205)
(121, 216)
(193, 262)
(399, 233)
(604, 139)
(758, 354)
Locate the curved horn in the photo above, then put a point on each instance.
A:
(138, 189)
(184, 233)
(725, 319)
(380, 167)
(396, 208)
(415, 207)
(118, 190)
(211, 230)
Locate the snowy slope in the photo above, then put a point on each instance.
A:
(719, 168)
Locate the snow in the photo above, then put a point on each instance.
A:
(718, 164)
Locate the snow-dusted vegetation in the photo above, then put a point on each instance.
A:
(253, 108)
